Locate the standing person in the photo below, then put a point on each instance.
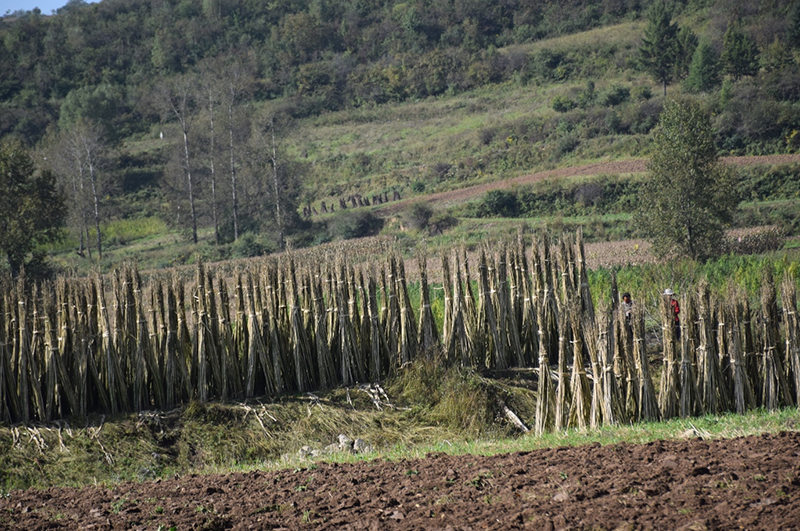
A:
(627, 307)
(676, 309)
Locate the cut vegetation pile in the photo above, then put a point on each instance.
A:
(118, 344)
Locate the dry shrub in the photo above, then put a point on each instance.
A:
(458, 398)
(466, 402)
(418, 383)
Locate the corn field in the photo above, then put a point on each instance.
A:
(113, 344)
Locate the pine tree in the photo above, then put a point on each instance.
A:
(739, 53)
(687, 45)
(793, 31)
(704, 72)
(659, 47)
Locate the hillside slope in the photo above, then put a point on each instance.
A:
(620, 167)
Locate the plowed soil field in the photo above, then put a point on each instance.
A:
(744, 483)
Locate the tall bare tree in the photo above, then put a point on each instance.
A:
(239, 80)
(61, 163)
(77, 156)
(279, 175)
(178, 97)
(212, 92)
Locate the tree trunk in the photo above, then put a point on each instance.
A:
(278, 217)
(234, 197)
(213, 173)
(14, 264)
(93, 180)
(180, 102)
(82, 218)
(86, 230)
(690, 241)
(189, 188)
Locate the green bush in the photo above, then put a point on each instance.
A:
(440, 222)
(780, 213)
(348, 224)
(598, 195)
(567, 144)
(641, 93)
(546, 65)
(486, 135)
(250, 246)
(769, 183)
(614, 95)
(563, 103)
(613, 123)
(587, 96)
(418, 214)
(502, 203)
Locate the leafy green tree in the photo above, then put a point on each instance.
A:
(739, 53)
(689, 194)
(659, 44)
(776, 57)
(704, 72)
(97, 104)
(31, 209)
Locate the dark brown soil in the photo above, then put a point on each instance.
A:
(746, 483)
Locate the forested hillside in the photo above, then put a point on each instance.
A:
(326, 55)
(223, 118)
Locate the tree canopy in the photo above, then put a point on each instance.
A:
(31, 209)
(689, 195)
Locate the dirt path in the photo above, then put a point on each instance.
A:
(746, 483)
(451, 197)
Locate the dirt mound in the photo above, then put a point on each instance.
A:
(618, 167)
(745, 483)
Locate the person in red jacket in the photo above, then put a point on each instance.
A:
(676, 310)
